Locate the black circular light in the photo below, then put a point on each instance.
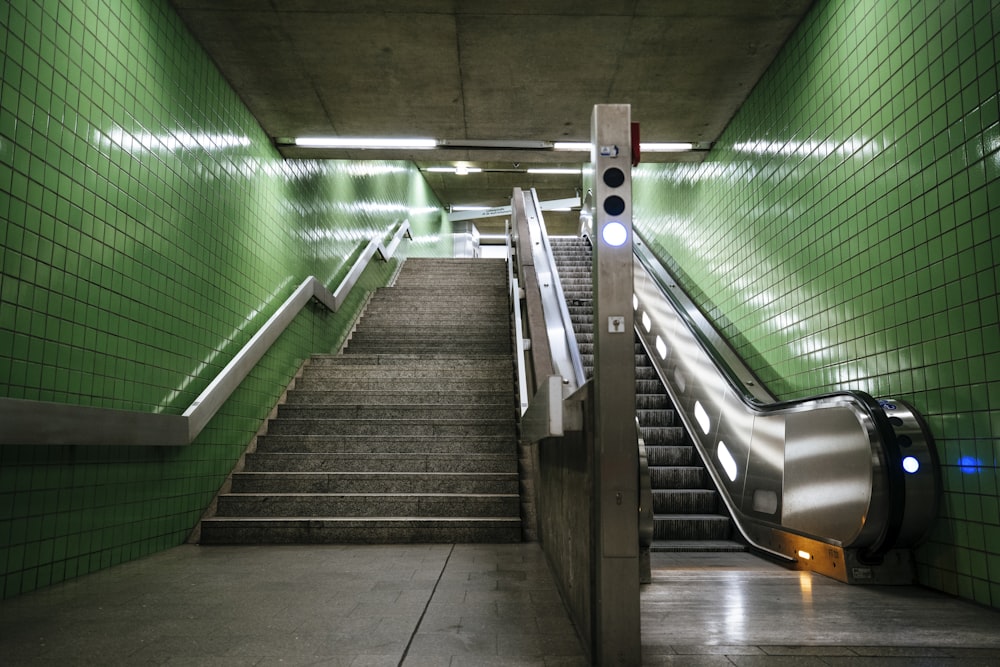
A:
(614, 177)
(614, 205)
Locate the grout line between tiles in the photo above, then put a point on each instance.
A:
(423, 613)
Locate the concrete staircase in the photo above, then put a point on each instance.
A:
(688, 512)
(409, 435)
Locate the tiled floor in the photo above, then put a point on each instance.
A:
(301, 605)
(470, 605)
(736, 609)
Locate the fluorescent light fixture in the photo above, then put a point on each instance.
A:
(665, 147)
(650, 147)
(461, 171)
(554, 171)
(461, 207)
(364, 142)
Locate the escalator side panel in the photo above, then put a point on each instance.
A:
(826, 490)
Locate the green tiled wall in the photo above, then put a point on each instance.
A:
(148, 228)
(845, 231)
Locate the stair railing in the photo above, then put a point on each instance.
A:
(558, 370)
(839, 482)
(520, 344)
(31, 422)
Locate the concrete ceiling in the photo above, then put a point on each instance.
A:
(475, 72)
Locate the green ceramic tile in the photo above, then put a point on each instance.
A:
(103, 228)
(937, 177)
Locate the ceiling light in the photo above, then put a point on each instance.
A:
(665, 147)
(460, 170)
(650, 147)
(554, 170)
(461, 207)
(364, 142)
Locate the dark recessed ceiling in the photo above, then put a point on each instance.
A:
(516, 70)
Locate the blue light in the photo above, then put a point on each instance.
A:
(614, 234)
(969, 465)
(911, 464)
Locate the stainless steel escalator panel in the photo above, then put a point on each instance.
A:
(765, 470)
(821, 470)
(827, 481)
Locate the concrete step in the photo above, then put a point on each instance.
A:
(382, 462)
(388, 443)
(408, 436)
(409, 372)
(352, 530)
(368, 482)
(436, 330)
(393, 427)
(445, 339)
(444, 362)
(477, 307)
(498, 399)
(417, 345)
(418, 411)
(423, 299)
(389, 385)
(369, 504)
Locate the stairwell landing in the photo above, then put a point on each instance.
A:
(408, 435)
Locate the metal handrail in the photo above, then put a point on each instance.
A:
(516, 294)
(555, 406)
(31, 422)
(557, 318)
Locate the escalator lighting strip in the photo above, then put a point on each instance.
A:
(805, 555)
(661, 348)
(727, 461)
(635, 302)
(703, 421)
(646, 323)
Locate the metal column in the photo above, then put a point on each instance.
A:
(616, 515)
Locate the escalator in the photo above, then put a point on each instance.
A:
(688, 514)
(843, 484)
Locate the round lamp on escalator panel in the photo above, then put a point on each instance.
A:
(614, 234)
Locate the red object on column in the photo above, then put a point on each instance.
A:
(635, 144)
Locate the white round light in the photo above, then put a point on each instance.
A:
(614, 234)
(911, 464)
